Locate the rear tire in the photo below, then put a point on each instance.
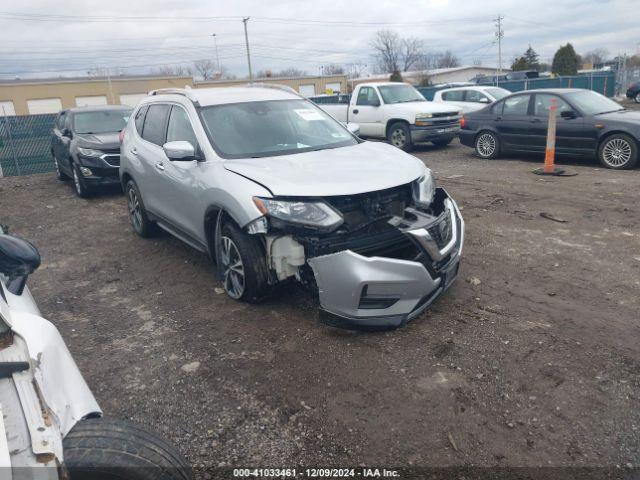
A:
(79, 185)
(138, 216)
(243, 264)
(109, 449)
(487, 145)
(619, 152)
(399, 135)
(637, 98)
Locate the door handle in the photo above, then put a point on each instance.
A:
(355, 112)
(535, 120)
(498, 119)
(160, 166)
(134, 151)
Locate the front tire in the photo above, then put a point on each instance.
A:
(487, 145)
(619, 152)
(79, 185)
(138, 216)
(243, 264)
(637, 98)
(109, 449)
(399, 135)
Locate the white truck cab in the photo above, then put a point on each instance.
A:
(398, 112)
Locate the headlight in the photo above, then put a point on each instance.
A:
(424, 189)
(423, 119)
(316, 214)
(89, 152)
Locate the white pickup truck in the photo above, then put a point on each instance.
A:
(395, 111)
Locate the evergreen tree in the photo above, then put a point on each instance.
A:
(396, 76)
(566, 61)
(519, 63)
(532, 59)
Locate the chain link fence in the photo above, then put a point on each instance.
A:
(25, 144)
(626, 76)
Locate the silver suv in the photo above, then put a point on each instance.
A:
(273, 188)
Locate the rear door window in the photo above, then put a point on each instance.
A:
(139, 119)
(454, 96)
(518, 105)
(155, 123)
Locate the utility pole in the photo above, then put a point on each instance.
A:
(499, 35)
(215, 42)
(246, 41)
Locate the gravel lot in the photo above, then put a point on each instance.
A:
(531, 359)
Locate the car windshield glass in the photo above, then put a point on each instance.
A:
(400, 94)
(276, 127)
(105, 121)
(498, 93)
(592, 103)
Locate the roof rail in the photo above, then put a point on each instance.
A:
(275, 86)
(187, 92)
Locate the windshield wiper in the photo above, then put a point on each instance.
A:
(611, 111)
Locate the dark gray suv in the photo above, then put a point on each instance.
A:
(85, 145)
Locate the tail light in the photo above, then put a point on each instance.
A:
(462, 122)
(121, 136)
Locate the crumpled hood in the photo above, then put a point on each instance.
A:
(366, 167)
(99, 140)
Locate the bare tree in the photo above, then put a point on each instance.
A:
(387, 46)
(333, 69)
(355, 70)
(448, 60)
(205, 69)
(598, 55)
(291, 72)
(174, 70)
(412, 52)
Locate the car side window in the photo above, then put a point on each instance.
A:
(139, 119)
(454, 96)
(155, 123)
(518, 105)
(475, 96)
(60, 120)
(180, 128)
(367, 96)
(543, 102)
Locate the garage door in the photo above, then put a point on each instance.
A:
(131, 99)
(91, 101)
(335, 87)
(6, 108)
(44, 105)
(308, 90)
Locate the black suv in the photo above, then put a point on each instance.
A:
(86, 146)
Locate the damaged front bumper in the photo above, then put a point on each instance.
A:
(360, 292)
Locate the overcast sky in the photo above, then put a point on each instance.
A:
(67, 37)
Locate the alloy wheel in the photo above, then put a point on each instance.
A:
(398, 138)
(486, 145)
(135, 211)
(234, 279)
(616, 152)
(637, 97)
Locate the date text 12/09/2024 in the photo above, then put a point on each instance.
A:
(315, 473)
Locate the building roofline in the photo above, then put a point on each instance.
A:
(101, 79)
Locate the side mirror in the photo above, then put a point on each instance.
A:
(179, 151)
(354, 128)
(375, 103)
(18, 260)
(484, 100)
(66, 132)
(568, 114)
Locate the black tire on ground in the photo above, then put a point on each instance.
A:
(399, 135)
(487, 145)
(443, 142)
(79, 185)
(619, 152)
(138, 216)
(111, 449)
(59, 173)
(255, 282)
(637, 97)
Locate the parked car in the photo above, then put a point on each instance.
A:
(633, 92)
(399, 113)
(489, 79)
(588, 124)
(51, 426)
(85, 145)
(275, 189)
(470, 99)
(522, 75)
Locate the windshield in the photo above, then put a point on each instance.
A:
(400, 94)
(592, 103)
(498, 93)
(103, 121)
(276, 127)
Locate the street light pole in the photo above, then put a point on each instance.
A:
(246, 41)
(215, 42)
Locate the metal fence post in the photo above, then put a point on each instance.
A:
(11, 145)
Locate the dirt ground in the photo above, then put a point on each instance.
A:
(531, 359)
